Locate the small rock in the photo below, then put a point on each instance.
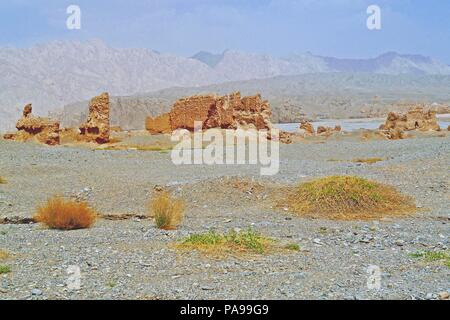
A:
(317, 241)
(205, 288)
(430, 296)
(445, 295)
(36, 292)
(400, 243)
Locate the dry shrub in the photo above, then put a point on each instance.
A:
(167, 211)
(348, 198)
(3, 254)
(367, 160)
(2, 180)
(358, 160)
(161, 148)
(62, 214)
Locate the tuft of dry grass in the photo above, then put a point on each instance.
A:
(231, 243)
(347, 198)
(359, 160)
(367, 160)
(2, 180)
(167, 211)
(3, 254)
(160, 148)
(62, 214)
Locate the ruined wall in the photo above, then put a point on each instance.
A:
(226, 112)
(188, 110)
(307, 127)
(254, 112)
(158, 125)
(42, 130)
(97, 126)
(415, 119)
(327, 131)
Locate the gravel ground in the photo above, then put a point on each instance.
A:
(130, 259)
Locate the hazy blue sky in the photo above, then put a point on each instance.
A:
(279, 27)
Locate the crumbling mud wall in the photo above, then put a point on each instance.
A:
(416, 118)
(42, 130)
(225, 112)
(97, 127)
(159, 124)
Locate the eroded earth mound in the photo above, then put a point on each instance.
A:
(97, 126)
(30, 127)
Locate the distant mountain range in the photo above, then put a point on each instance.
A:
(59, 73)
(264, 66)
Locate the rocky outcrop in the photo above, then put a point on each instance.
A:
(97, 126)
(158, 125)
(225, 112)
(415, 119)
(43, 130)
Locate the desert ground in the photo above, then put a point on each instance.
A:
(124, 256)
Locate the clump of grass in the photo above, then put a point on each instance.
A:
(111, 284)
(62, 214)
(218, 244)
(347, 198)
(153, 148)
(160, 148)
(367, 160)
(5, 269)
(2, 180)
(358, 160)
(434, 256)
(292, 247)
(167, 211)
